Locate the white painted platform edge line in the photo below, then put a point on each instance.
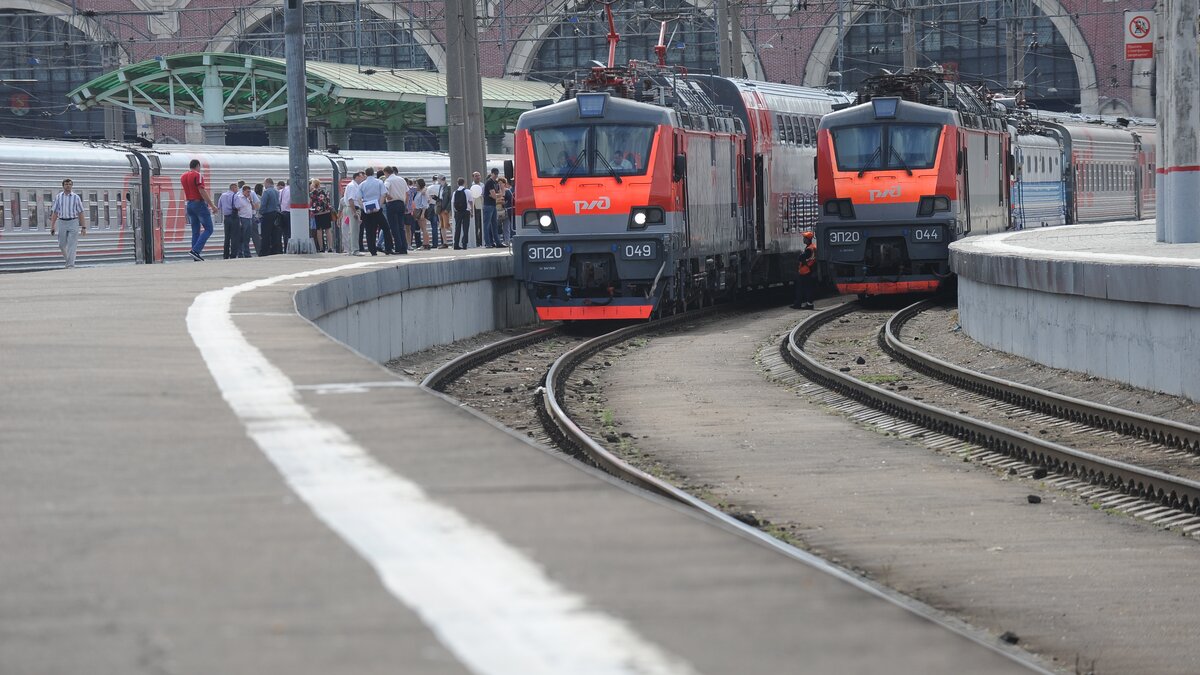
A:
(490, 605)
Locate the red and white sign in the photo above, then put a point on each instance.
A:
(18, 104)
(1139, 34)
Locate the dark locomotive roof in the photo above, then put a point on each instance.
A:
(643, 92)
(934, 90)
(906, 111)
(615, 109)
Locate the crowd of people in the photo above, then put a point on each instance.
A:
(380, 211)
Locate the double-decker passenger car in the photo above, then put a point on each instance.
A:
(647, 190)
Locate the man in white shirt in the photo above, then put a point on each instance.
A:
(433, 193)
(395, 191)
(370, 195)
(245, 204)
(477, 202)
(351, 235)
(67, 208)
(285, 212)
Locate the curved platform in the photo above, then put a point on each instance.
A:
(196, 479)
(1104, 299)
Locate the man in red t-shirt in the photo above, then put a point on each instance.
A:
(200, 208)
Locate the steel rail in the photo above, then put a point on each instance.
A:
(568, 432)
(1178, 493)
(572, 435)
(1156, 429)
(455, 368)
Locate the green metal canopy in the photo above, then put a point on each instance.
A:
(220, 87)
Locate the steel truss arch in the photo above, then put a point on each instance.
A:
(180, 88)
(256, 13)
(824, 52)
(527, 45)
(215, 88)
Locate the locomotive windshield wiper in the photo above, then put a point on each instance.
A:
(868, 164)
(610, 166)
(574, 165)
(902, 163)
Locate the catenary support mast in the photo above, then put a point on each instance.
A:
(1178, 121)
(455, 111)
(293, 52)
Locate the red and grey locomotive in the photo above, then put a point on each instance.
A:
(918, 163)
(646, 190)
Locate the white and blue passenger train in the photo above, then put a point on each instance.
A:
(1075, 169)
(133, 202)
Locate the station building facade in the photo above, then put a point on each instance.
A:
(1068, 53)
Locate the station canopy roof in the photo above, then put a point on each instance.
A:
(191, 87)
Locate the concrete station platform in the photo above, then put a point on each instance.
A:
(1104, 299)
(195, 479)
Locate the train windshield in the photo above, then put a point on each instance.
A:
(878, 147)
(592, 150)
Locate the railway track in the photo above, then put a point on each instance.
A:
(558, 428)
(1144, 465)
(516, 366)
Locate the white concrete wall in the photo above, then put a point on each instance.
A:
(1154, 346)
(399, 310)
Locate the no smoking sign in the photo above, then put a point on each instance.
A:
(1139, 35)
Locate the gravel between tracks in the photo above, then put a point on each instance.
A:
(936, 332)
(1096, 592)
(419, 364)
(850, 344)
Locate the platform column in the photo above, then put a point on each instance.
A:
(277, 135)
(395, 140)
(339, 137)
(495, 143)
(1178, 121)
(212, 119)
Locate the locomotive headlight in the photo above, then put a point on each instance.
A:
(927, 206)
(641, 216)
(843, 208)
(543, 220)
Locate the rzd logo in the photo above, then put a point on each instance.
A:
(880, 194)
(602, 204)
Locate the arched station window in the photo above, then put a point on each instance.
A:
(44, 58)
(971, 38)
(330, 35)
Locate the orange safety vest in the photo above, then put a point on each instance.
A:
(806, 264)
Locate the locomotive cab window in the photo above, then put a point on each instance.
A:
(877, 147)
(592, 150)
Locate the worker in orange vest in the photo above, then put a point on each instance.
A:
(806, 279)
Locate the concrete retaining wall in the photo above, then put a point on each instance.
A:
(390, 312)
(1102, 299)
(1153, 346)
